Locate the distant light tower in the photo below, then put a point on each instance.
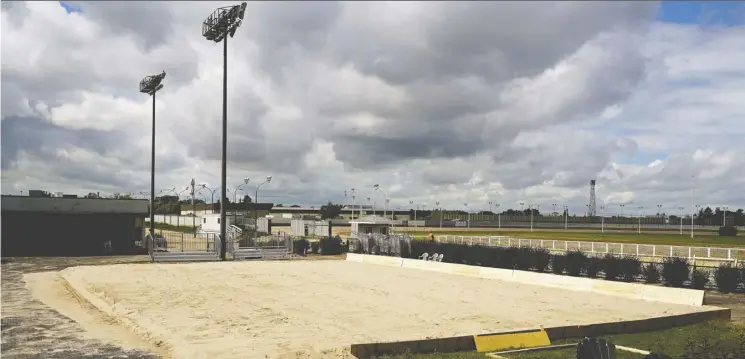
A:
(602, 219)
(499, 217)
(150, 85)
(639, 215)
(566, 217)
(681, 219)
(554, 204)
(439, 209)
(724, 216)
(592, 209)
(469, 215)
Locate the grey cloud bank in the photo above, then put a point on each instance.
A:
(452, 102)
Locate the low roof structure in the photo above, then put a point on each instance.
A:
(372, 220)
(74, 205)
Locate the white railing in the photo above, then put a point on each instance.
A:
(645, 250)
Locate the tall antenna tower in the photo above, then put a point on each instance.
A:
(591, 208)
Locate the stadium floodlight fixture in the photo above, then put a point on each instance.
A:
(223, 22)
(151, 84)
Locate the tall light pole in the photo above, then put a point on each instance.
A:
(439, 209)
(412, 204)
(150, 85)
(602, 219)
(566, 215)
(681, 208)
(354, 201)
(724, 216)
(499, 217)
(385, 198)
(530, 208)
(468, 222)
(221, 23)
(256, 202)
(554, 204)
(659, 213)
(212, 193)
(639, 215)
(235, 196)
(623, 219)
(693, 201)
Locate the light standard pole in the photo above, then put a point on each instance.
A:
(554, 204)
(566, 217)
(368, 204)
(639, 215)
(212, 197)
(724, 216)
(681, 208)
(693, 201)
(530, 208)
(150, 85)
(602, 219)
(499, 217)
(256, 202)
(412, 204)
(490, 212)
(623, 219)
(439, 209)
(354, 201)
(221, 23)
(235, 196)
(468, 222)
(385, 197)
(660, 216)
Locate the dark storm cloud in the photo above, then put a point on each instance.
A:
(37, 136)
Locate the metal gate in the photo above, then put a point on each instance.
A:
(184, 247)
(276, 246)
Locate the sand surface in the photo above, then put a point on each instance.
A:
(307, 309)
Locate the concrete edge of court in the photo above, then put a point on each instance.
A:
(468, 342)
(141, 326)
(683, 296)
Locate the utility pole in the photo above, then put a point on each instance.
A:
(193, 208)
(440, 210)
(681, 219)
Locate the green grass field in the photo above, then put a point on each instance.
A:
(673, 342)
(701, 239)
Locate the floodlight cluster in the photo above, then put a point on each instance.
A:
(224, 21)
(151, 84)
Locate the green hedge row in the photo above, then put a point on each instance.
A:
(673, 271)
(325, 246)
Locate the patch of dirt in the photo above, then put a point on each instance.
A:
(735, 302)
(33, 329)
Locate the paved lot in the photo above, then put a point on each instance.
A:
(30, 329)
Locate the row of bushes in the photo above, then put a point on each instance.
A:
(673, 271)
(325, 246)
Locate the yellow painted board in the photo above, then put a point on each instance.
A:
(515, 340)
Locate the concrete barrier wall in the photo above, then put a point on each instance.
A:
(627, 290)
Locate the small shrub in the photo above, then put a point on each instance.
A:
(315, 247)
(594, 266)
(651, 273)
(542, 259)
(675, 271)
(301, 246)
(728, 231)
(576, 263)
(699, 278)
(611, 267)
(330, 246)
(558, 263)
(727, 278)
(525, 259)
(631, 267)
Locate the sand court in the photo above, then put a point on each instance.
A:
(318, 308)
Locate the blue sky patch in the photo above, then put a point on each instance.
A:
(717, 13)
(70, 8)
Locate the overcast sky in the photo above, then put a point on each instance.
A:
(453, 102)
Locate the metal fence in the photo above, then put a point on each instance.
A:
(183, 247)
(375, 243)
(275, 246)
(641, 250)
